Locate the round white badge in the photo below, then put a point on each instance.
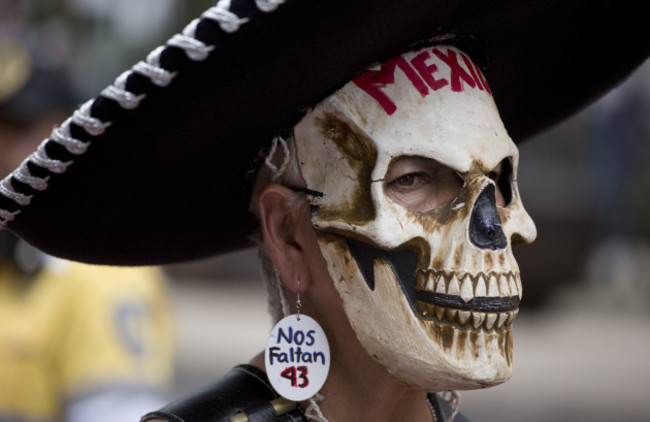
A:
(297, 357)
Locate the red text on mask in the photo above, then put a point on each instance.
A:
(422, 76)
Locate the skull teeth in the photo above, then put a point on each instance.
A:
(440, 312)
(453, 287)
(468, 287)
(513, 286)
(490, 319)
(504, 287)
(511, 316)
(463, 317)
(430, 283)
(501, 319)
(451, 314)
(493, 287)
(467, 290)
(481, 289)
(441, 286)
(478, 320)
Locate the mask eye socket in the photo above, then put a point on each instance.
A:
(502, 176)
(421, 184)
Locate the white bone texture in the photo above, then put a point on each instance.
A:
(433, 103)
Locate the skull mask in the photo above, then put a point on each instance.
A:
(410, 157)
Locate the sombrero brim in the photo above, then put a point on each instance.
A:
(165, 181)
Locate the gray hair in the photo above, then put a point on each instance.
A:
(280, 166)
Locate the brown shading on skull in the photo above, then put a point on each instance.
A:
(419, 211)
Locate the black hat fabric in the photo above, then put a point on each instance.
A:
(153, 170)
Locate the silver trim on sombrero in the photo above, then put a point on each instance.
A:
(268, 5)
(92, 125)
(7, 216)
(41, 159)
(194, 49)
(118, 93)
(7, 190)
(26, 177)
(152, 70)
(62, 136)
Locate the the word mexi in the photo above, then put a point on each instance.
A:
(422, 75)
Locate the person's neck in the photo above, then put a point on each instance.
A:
(355, 393)
(358, 388)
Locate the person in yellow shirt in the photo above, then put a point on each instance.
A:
(77, 342)
(77, 339)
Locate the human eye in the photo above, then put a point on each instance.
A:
(420, 183)
(407, 180)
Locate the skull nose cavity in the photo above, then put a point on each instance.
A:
(485, 229)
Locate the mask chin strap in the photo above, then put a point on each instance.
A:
(313, 197)
(307, 191)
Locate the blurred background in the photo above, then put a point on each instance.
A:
(582, 336)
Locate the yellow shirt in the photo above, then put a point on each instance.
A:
(75, 329)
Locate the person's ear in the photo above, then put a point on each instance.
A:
(284, 227)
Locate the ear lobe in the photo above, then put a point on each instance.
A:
(282, 224)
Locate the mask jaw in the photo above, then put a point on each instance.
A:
(427, 356)
(431, 295)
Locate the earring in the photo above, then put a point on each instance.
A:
(297, 355)
(298, 302)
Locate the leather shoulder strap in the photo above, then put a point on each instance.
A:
(244, 389)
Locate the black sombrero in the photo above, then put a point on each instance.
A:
(152, 171)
